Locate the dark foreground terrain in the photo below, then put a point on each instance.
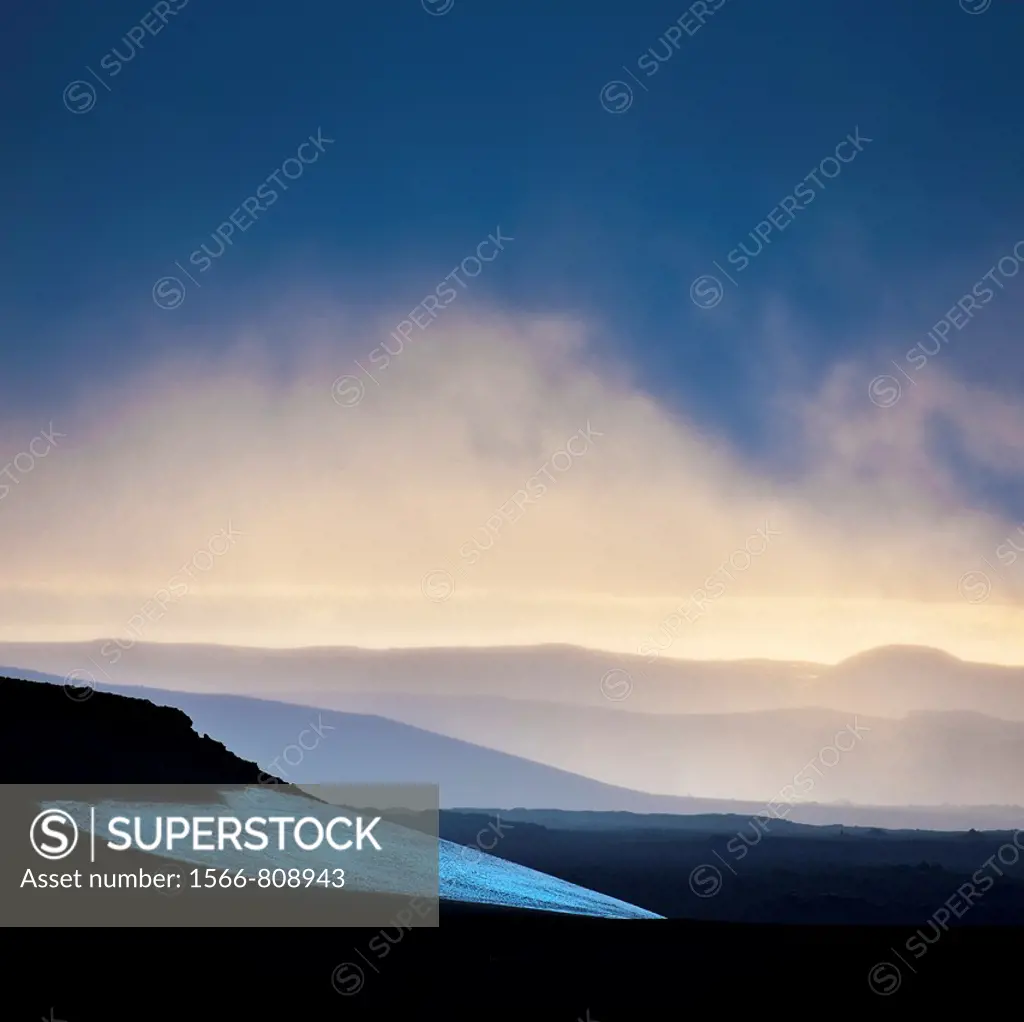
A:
(739, 869)
(505, 965)
(495, 964)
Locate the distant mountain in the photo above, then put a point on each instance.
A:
(825, 755)
(888, 682)
(48, 737)
(907, 657)
(304, 745)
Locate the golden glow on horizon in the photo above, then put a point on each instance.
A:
(348, 525)
(817, 631)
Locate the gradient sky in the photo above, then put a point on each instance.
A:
(447, 126)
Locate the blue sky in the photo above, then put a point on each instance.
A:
(490, 114)
(446, 126)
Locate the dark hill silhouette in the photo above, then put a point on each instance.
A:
(53, 735)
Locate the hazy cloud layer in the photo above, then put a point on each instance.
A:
(394, 521)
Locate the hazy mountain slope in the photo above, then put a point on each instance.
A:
(823, 754)
(340, 747)
(308, 746)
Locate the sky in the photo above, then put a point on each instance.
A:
(680, 259)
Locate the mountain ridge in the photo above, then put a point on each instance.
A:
(374, 748)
